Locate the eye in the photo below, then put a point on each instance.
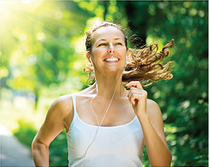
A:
(119, 43)
(102, 44)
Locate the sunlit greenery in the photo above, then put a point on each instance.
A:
(43, 54)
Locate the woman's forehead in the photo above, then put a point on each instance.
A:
(107, 33)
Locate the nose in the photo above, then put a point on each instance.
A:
(111, 48)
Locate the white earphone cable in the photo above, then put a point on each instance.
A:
(99, 125)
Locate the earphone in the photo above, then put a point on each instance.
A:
(82, 161)
(126, 60)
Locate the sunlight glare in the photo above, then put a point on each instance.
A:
(4, 131)
(27, 1)
(22, 37)
(40, 36)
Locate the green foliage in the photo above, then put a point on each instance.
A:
(25, 132)
(58, 151)
(43, 53)
(183, 99)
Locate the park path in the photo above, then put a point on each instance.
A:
(12, 152)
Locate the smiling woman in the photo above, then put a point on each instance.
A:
(108, 51)
(107, 125)
(142, 64)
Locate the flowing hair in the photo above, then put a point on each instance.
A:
(144, 64)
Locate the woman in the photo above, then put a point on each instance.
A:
(106, 124)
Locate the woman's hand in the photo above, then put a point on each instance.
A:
(151, 123)
(137, 97)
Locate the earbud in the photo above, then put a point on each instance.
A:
(90, 61)
(126, 60)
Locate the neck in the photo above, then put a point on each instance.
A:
(106, 86)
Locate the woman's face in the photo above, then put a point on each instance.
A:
(108, 49)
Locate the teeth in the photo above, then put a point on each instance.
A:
(111, 59)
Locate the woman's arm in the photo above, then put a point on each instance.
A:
(150, 117)
(152, 125)
(55, 122)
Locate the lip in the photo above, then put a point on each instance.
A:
(111, 57)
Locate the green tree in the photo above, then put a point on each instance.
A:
(184, 99)
(42, 50)
(39, 47)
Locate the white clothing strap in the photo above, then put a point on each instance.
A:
(74, 103)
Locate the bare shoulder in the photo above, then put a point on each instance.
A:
(63, 102)
(154, 111)
(57, 118)
(152, 106)
(61, 109)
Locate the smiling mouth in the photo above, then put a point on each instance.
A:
(112, 59)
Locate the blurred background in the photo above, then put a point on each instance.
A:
(43, 56)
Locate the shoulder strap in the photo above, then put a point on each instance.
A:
(74, 102)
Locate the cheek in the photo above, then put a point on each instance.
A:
(122, 50)
(98, 52)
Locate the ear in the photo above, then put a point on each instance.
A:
(88, 56)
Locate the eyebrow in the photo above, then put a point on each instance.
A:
(102, 39)
(118, 38)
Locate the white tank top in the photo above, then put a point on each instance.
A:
(114, 146)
